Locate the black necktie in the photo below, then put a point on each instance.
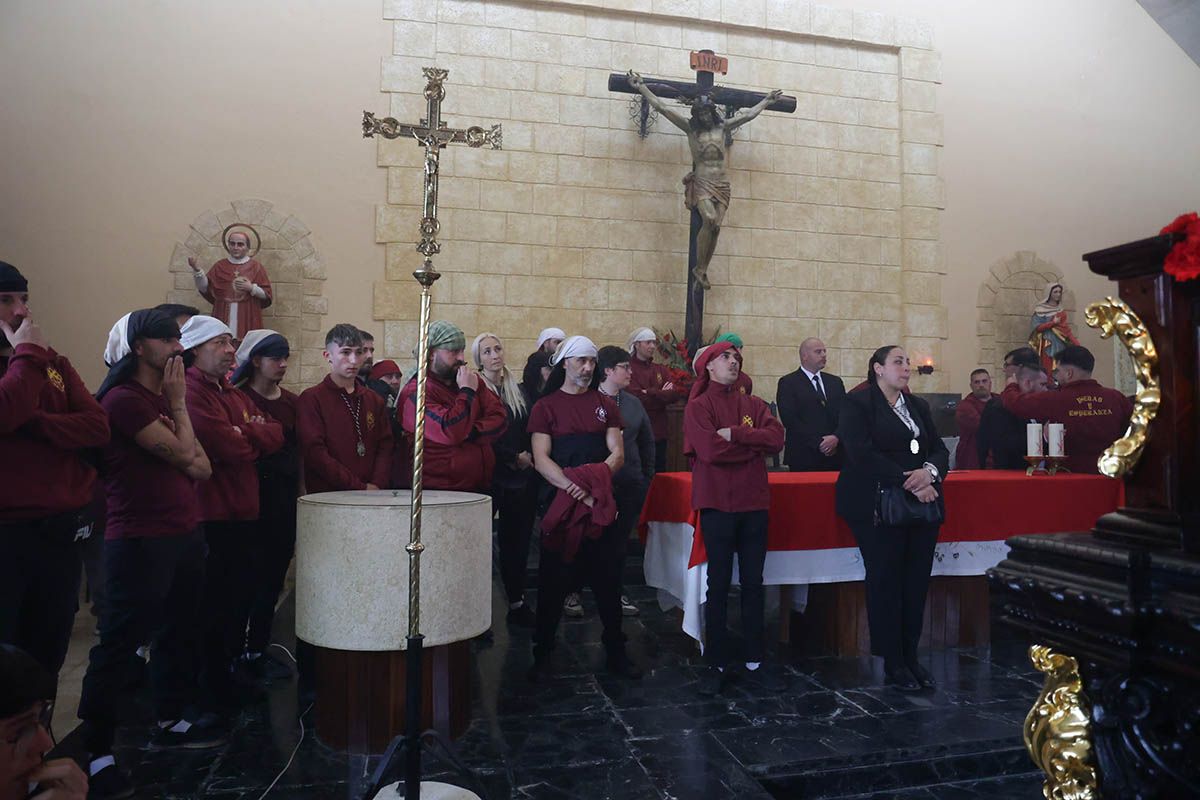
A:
(818, 387)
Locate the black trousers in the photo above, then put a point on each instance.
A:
(597, 564)
(726, 534)
(232, 576)
(278, 544)
(629, 499)
(154, 591)
(39, 589)
(660, 456)
(516, 509)
(898, 562)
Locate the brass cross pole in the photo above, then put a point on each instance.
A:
(433, 134)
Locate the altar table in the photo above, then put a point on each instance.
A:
(808, 543)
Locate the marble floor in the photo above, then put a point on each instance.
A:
(833, 733)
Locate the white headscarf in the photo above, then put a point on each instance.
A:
(200, 329)
(640, 335)
(574, 347)
(118, 341)
(549, 333)
(696, 358)
(250, 342)
(1046, 306)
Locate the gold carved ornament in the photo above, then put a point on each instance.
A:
(1056, 729)
(1114, 316)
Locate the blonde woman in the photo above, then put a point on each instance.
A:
(514, 484)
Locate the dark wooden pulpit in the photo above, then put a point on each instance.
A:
(1115, 612)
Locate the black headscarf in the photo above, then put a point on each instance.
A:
(147, 323)
(23, 681)
(11, 279)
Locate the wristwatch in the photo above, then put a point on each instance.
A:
(932, 471)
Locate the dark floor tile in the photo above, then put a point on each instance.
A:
(695, 765)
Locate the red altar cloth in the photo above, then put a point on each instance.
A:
(981, 505)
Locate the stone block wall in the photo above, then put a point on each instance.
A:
(296, 270)
(1004, 307)
(834, 226)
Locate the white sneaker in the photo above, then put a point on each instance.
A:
(628, 609)
(571, 605)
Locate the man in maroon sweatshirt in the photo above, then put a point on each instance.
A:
(235, 435)
(968, 415)
(463, 416)
(345, 438)
(1093, 416)
(730, 434)
(651, 384)
(47, 418)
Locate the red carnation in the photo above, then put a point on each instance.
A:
(1183, 262)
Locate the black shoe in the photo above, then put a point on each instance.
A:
(712, 681)
(540, 671)
(194, 738)
(768, 676)
(922, 675)
(266, 669)
(623, 667)
(110, 783)
(522, 616)
(901, 678)
(485, 638)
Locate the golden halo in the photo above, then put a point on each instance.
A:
(229, 228)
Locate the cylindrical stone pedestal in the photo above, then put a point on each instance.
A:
(352, 593)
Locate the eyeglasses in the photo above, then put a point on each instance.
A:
(25, 734)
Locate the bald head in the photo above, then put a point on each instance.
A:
(812, 354)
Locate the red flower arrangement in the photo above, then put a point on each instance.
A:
(1183, 262)
(673, 352)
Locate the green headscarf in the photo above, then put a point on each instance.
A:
(445, 335)
(732, 338)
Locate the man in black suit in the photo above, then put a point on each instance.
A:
(810, 401)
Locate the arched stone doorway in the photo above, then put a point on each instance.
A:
(296, 270)
(1005, 302)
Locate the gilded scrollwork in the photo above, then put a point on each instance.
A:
(1057, 733)
(1113, 316)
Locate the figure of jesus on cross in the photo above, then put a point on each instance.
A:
(706, 187)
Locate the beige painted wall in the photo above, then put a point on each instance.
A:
(1067, 128)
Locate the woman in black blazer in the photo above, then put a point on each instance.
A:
(890, 440)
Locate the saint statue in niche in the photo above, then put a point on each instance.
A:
(1049, 331)
(237, 286)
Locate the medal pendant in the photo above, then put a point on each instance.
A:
(912, 446)
(361, 449)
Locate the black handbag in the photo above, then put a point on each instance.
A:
(898, 508)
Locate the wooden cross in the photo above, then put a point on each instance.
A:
(703, 91)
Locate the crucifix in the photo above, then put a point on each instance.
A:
(432, 133)
(707, 191)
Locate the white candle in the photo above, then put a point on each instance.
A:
(1055, 434)
(1033, 439)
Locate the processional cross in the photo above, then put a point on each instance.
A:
(432, 133)
(707, 191)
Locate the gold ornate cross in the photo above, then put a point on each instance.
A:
(433, 133)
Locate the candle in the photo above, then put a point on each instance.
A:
(1055, 435)
(1033, 439)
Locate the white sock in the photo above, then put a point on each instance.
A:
(100, 763)
(252, 656)
(720, 669)
(753, 665)
(516, 605)
(182, 726)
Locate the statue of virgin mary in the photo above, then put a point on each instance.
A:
(1049, 330)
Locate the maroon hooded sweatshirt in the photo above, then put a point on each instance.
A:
(329, 441)
(729, 476)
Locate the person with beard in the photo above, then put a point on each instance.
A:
(235, 435)
(651, 384)
(47, 419)
(576, 431)
(368, 356)
(513, 490)
(891, 442)
(463, 417)
(153, 548)
(345, 438)
(26, 707)
(262, 362)
(730, 434)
